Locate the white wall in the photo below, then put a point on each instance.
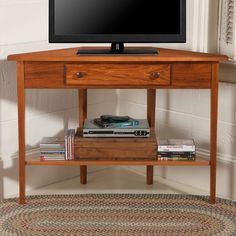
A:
(24, 28)
(185, 114)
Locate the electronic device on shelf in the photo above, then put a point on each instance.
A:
(110, 121)
(128, 123)
(92, 130)
(117, 22)
(114, 119)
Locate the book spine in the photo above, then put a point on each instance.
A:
(175, 153)
(52, 152)
(52, 155)
(50, 159)
(70, 146)
(66, 148)
(176, 158)
(53, 145)
(176, 149)
(176, 146)
(73, 146)
(53, 149)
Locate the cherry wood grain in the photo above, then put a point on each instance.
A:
(70, 55)
(112, 153)
(83, 94)
(115, 148)
(151, 116)
(21, 129)
(198, 162)
(194, 75)
(82, 116)
(52, 75)
(180, 70)
(151, 107)
(44, 75)
(213, 131)
(83, 173)
(117, 75)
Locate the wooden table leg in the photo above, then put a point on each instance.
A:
(83, 174)
(151, 111)
(149, 175)
(82, 117)
(213, 130)
(21, 129)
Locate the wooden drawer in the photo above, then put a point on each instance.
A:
(192, 75)
(120, 75)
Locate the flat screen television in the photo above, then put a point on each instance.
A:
(117, 22)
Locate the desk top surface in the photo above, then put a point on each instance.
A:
(70, 55)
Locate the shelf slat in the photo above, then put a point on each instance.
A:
(197, 162)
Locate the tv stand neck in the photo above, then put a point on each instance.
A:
(118, 48)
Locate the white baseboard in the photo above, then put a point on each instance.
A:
(220, 157)
(41, 176)
(184, 178)
(36, 176)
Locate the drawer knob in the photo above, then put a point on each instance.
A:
(79, 75)
(155, 75)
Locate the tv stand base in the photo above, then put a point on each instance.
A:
(118, 48)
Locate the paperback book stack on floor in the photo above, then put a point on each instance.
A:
(176, 149)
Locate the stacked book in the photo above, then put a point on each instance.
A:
(70, 145)
(176, 150)
(52, 149)
(58, 148)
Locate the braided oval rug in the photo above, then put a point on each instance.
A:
(117, 214)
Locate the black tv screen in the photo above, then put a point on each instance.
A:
(123, 21)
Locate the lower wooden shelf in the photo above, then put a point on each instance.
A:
(198, 162)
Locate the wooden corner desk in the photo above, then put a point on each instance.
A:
(170, 69)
